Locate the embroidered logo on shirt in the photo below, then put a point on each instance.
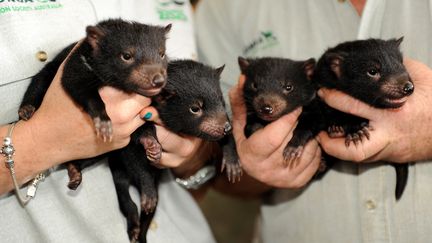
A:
(265, 40)
(171, 10)
(27, 5)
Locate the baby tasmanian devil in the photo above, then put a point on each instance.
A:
(190, 104)
(275, 87)
(372, 71)
(125, 55)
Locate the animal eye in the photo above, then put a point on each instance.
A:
(162, 54)
(253, 86)
(288, 88)
(126, 56)
(195, 109)
(373, 73)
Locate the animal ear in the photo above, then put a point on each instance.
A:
(398, 41)
(243, 63)
(335, 59)
(94, 34)
(219, 70)
(167, 28)
(309, 66)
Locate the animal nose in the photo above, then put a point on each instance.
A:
(408, 88)
(266, 109)
(158, 80)
(227, 128)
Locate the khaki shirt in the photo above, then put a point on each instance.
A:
(352, 203)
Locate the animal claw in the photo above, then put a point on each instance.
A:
(335, 131)
(148, 203)
(234, 170)
(26, 112)
(103, 128)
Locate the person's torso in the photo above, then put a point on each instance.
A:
(351, 203)
(32, 33)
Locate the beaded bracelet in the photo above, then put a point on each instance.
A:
(8, 150)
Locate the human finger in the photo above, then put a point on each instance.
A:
(348, 104)
(151, 114)
(238, 108)
(311, 168)
(181, 145)
(122, 107)
(272, 136)
(358, 153)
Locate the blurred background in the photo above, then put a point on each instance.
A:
(231, 219)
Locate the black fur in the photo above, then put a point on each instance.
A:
(275, 87)
(191, 104)
(126, 55)
(372, 71)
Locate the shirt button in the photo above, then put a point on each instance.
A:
(41, 56)
(370, 204)
(153, 225)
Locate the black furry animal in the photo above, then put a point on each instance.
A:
(191, 104)
(275, 87)
(369, 70)
(129, 56)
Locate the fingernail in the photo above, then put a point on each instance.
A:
(298, 111)
(147, 116)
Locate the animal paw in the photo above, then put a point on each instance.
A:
(322, 166)
(74, 180)
(26, 112)
(134, 234)
(359, 136)
(335, 131)
(234, 170)
(148, 203)
(153, 149)
(291, 154)
(103, 129)
(75, 176)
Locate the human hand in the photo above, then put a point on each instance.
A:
(61, 127)
(61, 131)
(400, 135)
(261, 154)
(183, 154)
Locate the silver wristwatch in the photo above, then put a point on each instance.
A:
(198, 179)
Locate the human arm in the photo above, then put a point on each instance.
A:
(401, 135)
(60, 131)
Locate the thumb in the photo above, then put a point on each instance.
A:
(238, 108)
(347, 104)
(150, 113)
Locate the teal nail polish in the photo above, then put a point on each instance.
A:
(148, 115)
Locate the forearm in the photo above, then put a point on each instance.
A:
(30, 156)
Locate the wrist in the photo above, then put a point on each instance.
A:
(30, 158)
(197, 180)
(206, 151)
(199, 170)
